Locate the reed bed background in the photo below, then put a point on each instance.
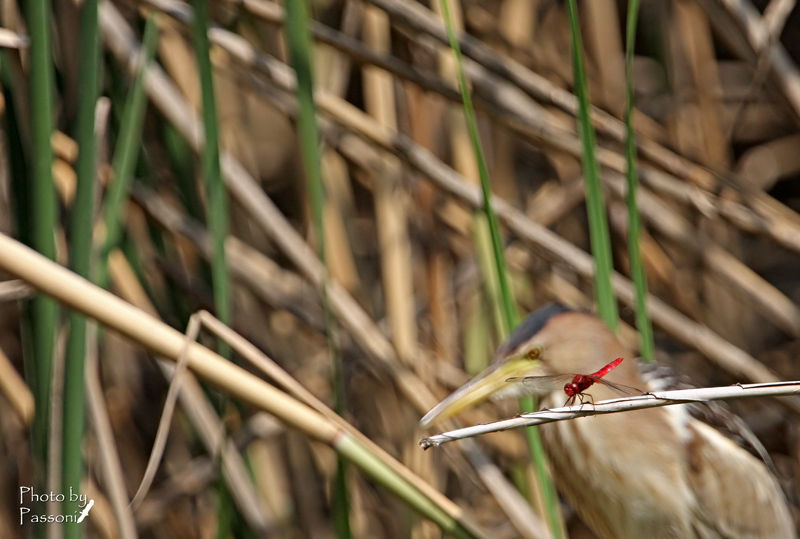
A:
(343, 238)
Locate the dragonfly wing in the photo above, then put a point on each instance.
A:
(626, 391)
(552, 382)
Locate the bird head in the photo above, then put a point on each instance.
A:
(551, 340)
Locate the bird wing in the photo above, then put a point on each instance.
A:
(735, 493)
(717, 414)
(623, 473)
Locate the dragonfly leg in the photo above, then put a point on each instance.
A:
(582, 397)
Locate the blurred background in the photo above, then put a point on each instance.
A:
(412, 314)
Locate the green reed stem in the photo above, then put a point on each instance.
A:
(510, 315)
(216, 193)
(297, 21)
(43, 212)
(638, 274)
(126, 151)
(595, 204)
(80, 242)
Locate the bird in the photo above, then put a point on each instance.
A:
(656, 473)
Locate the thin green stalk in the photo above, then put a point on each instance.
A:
(226, 513)
(300, 51)
(509, 311)
(18, 166)
(43, 211)
(183, 165)
(299, 45)
(478, 336)
(217, 217)
(510, 314)
(595, 204)
(126, 151)
(487, 262)
(216, 193)
(80, 256)
(634, 220)
(20, 193)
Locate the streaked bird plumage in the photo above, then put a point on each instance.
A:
(649, 473)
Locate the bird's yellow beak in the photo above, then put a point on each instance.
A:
(490, 383)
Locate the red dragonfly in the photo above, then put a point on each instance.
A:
(576, 384)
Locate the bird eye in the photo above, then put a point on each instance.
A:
(534, 353)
